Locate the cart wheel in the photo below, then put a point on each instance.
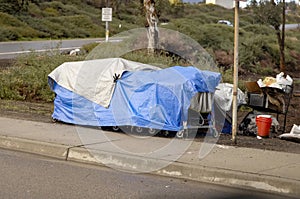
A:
(138, 129)
(214, 132)
(152, 131)
(54, 120)
(116, 128)
(180, 134)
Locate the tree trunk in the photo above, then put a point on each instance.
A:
(152, 30)
(281, 37)
(282, 56)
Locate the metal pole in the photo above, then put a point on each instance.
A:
(106, 26)
(235, 72)
(106, 31)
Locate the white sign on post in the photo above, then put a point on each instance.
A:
(106, 14)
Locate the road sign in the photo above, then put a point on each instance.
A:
(106, 14)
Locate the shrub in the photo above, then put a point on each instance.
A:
(259, 29)
(27, 78)
(50, 12)
(9, 20)
(75, 26)
(8, 35)
(215, 36)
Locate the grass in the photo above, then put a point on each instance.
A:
(27, 78)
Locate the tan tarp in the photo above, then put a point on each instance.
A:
(95, 79)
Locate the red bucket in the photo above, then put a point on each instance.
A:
(263, 123)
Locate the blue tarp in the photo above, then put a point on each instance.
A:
(154, 99)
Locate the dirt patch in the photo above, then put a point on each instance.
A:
(41, 112)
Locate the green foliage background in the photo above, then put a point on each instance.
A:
(54, 19)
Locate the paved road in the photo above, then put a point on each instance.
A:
(28, 176)
(12, 49)
(291, 26)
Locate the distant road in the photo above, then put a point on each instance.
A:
(292, 26)
(10, 50)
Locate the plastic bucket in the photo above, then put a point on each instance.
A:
(263, 123)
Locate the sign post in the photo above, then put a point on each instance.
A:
(106, 16)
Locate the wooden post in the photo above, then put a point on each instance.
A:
(235, 71)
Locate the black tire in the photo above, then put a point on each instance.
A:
(115, 128)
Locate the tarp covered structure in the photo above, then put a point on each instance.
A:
(92, 79)
(157, 99)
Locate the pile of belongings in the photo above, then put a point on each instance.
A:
(277, 91)
(279, 82)
(248, 125)
(294, 134)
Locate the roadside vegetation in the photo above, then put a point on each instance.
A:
(27, 78)
(46, 19)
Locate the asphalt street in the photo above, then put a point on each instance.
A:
(25, 175)
(13, 49)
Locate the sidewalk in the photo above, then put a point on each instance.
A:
(235, 166)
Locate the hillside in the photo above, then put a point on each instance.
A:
(50, 19)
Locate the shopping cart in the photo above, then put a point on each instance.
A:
(271, 100)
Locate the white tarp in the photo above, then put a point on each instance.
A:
(294, 134)
(94, 79)
(223, 96)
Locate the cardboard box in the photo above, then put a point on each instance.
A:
(253, 87)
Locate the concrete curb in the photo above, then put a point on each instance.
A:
(139, 164)
(36, 147)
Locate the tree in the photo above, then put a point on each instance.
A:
(152, 20)
(15, 6)
(8, 6)
(273, 13)
(253, 3)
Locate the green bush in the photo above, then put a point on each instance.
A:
(252, 50)
(8, 35)
(79, 19)
(162, 60)
(215, 36)
(15, 29)
(50, 12)
(259, 29)
(9, 20)
(27, 78)
(75, 26)
(89, 47)
(34, 11)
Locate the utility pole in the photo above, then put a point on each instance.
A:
(235, 71)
